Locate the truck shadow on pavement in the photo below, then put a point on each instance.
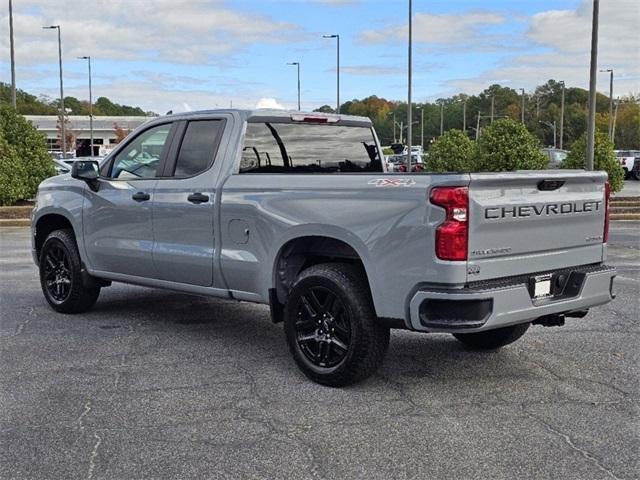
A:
(244, 330)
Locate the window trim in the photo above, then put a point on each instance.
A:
(108, 166)
(171, 163)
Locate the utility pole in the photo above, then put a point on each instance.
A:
(88, 58)
(464, 116)
(537, 107)
(401, 130)
(13, 57)
(591, 124)
(492, 107)
(337, 37)
(478, 127)
(562, 117)
(522, 107)
(441, 118)
(62, 110)
(610, 71)
(409, 103)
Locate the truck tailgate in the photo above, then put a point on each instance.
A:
(527, 222)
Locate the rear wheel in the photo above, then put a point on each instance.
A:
(61, 274)
(493, 339)
(331, 326)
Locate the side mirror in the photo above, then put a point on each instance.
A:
(87, 171)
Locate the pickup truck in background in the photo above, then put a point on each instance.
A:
(630, 163)
(296, 211)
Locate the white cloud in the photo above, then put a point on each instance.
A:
(446, 29)
(269, 103)
(565, 36)
(176, 31)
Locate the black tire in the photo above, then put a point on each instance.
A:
(331, 302)
(493, 339)
(61, 277)
(627, 174)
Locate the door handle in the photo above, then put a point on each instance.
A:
(141, 196)
(198, 198)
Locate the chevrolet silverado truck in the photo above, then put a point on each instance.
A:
(296, 211)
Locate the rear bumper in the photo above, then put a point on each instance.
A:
(503, 302)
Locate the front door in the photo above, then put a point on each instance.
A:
(117, 219)
(184, 205)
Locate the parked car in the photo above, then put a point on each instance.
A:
(556, 156)
(627, 159)
(61, 167)
(295, 211)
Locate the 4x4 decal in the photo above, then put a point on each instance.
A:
(392, 182)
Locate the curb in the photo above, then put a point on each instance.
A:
(15, 222)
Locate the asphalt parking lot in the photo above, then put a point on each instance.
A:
(151, 384)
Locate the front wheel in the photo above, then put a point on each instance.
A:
(61, 275)
(493, 339)
(331, 326)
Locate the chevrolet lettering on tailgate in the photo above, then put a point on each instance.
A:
(542, 210)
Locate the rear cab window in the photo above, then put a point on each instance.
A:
(272, 147)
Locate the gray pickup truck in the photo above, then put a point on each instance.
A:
(296, 211)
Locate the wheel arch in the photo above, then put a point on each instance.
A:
(47, 223)
(311, 248)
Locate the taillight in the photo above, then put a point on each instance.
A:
(607, 196)
(452, 235)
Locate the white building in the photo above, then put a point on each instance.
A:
(104, 135)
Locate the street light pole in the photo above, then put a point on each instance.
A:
(88, 59)
(478, 127)
(62, 111)
(610, 71)
(522, 107)
(492, 107)
(615, 117)
(464, 115)
(422, 128)
(337, 37)
(13, 57)
(441, 118)
(298, 65)
(591, 124)
(562, 117)
(409, 103)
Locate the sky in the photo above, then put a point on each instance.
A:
(195, 54)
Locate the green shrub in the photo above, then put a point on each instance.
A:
(24, 161)
(453, 152)
(507, 145)
(387, 151)
(604, 158)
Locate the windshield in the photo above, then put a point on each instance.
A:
(308, 148)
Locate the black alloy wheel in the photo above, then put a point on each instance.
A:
(57, 273)
(323, 327)
(331, 326)
(61, 276)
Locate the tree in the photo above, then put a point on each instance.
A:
(69, 134)
(120, 132)
(508, 145)
(453, 152)
(24, 161)
(325, 109)
(603, 159)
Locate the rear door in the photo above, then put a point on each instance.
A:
(184, 204)
(525, 222)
